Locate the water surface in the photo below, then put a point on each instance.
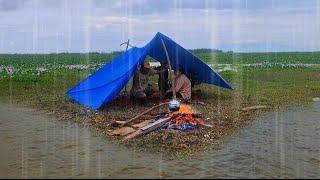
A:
(277, 145)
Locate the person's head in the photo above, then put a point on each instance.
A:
(179, 71)
(164, 64)
(145, 68)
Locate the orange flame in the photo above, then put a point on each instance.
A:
(187, 111)
(184, 109)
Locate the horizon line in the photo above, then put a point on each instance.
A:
(239, 52)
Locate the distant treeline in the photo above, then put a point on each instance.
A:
(205, 50)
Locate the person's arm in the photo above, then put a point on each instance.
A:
(178, 84)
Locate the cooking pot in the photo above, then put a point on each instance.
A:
(174, 105)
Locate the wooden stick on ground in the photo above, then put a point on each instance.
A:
(198, 102)
(143, 113)
(148, 128)
(254, 108)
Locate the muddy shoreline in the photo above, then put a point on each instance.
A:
(225, 116)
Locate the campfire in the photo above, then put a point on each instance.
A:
(184, 116)
(183, 119)
(188, 115)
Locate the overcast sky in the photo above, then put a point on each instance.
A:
(49, 26)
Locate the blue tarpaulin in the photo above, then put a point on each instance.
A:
(106, 83)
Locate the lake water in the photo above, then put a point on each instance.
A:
(277, 145)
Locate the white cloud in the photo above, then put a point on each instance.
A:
(104, 22)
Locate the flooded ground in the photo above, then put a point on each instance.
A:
(278, 145)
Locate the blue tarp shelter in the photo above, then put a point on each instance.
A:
(106, 83)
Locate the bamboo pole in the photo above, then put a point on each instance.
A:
(170, 67)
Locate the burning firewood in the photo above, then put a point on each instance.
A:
(183, 119)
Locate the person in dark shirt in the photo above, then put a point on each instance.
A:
(141, 88)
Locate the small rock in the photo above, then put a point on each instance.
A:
(315, 99)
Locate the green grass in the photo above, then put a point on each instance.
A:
(270, 85)
(273, 86)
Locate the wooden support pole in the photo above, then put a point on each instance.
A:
(170, 67)
(127, 46)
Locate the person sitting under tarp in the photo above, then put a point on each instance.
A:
(182, 86)
(163, 82)
(141, 88)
